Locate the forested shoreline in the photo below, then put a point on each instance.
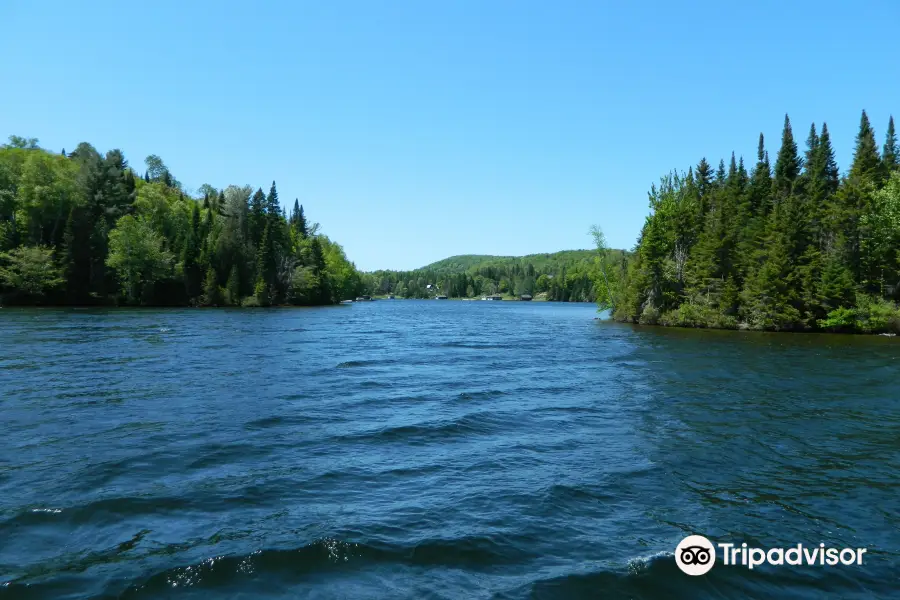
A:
(566, 276)
(83, 228)
(794, 247)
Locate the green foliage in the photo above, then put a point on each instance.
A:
(698, 315)
(787, 165)
(839, 320)
(866, 161)
(871, 315)
(143, 240)
(890, 154)
(233, 287)
(213, 294)
(571, 275)
(136, 252)
(796, 250)
(30, 271)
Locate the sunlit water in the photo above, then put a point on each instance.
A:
(435, 449)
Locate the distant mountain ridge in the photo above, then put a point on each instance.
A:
(464, 262)
(567, 276)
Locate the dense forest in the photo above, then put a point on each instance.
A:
(568, 276)
(795, 246)
(83, 228)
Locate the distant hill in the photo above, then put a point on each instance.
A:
(464, 262)
(568, 275)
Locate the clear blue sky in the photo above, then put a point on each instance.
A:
(413, 131)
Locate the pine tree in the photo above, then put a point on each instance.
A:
(76, 258)
(63, 152)
(760, 182)
(147, 176)
(296, 219)
(211, 291)
(827, 161)
(787, 165)
(264, 269)
(866, 162)
(704, 183)
(890, 155)
(821, 182)
(720, 174)
(273, 206)
(319, 268)
(191, 256)
(302, 227)
(233, 287)
(812, 150)
(256, 218)
(265, 258)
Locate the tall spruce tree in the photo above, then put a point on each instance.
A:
(191, 256)
(760, 181)
(787, 165)
(831, 174)
(704, 183)
(890, 155)
(265, 272)
(323, 292)
(866, 161)
(256, 218)
(812, 150)
(298, 220)
(233, 287)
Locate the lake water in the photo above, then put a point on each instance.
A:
(428, 449)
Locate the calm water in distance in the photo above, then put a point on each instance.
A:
(435, 449)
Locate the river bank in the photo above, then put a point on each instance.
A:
(879, 317)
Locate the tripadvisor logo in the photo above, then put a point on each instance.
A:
(696, 555)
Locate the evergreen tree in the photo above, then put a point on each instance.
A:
(319, 268)
(191, 256)
(297, 221)
(812, 150)
(273, 206)
(821, 182)
(80, 216)
(720, 174)
(233, 287)
(212, 293)
(76, 258)
(866, 162)
(890, 155)
(830, 172)
(264, 269)
(787, 165)
(256, 219)
(302, 227)
(760, 182)
(704, 183)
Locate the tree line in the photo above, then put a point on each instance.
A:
(83, 228)
(568, 276)
(791, 246)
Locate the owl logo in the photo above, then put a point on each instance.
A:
(695, 555)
